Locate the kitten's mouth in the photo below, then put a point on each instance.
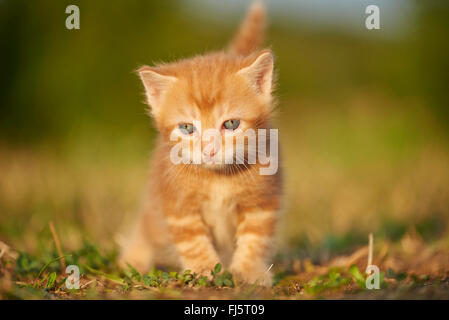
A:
(212, 164)
(210, 161)
(215, 163)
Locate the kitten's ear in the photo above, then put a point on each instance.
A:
(260, 73)
(156, 84)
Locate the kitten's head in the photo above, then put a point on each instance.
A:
(210, 102)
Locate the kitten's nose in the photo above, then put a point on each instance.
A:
(211, 152)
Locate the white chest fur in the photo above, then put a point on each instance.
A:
(220, 217)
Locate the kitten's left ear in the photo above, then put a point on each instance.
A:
(259, 73)
(156, 84)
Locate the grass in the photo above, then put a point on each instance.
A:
(26, 276)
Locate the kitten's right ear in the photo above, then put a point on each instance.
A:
(156, 84)
(259, 73)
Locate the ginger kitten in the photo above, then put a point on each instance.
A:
(221, 209)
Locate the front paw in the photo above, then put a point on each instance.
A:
(202, 270)
(140, 260)
(257, 275)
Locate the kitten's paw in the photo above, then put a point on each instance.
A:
(206, 274)
(259, 276)
(203, 271)
(138, 260)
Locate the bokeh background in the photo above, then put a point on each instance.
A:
(363, 115)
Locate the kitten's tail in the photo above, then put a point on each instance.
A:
(250, 35)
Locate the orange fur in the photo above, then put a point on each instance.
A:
(250, 35)
(213, 213)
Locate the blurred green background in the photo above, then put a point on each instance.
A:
(363, 114)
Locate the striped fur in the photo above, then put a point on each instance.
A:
(204, 214)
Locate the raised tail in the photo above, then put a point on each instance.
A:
(251, 33)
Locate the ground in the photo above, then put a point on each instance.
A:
(409, 269)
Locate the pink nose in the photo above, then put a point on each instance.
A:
(211, 152)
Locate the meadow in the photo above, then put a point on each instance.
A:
(363, 124)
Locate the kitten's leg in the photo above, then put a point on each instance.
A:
(147, 237)
(254, 235)
(192, 242)
(138, 250)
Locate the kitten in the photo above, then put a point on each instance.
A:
(211, 212)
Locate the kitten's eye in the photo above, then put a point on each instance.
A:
(231, 124)
(186, 128)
